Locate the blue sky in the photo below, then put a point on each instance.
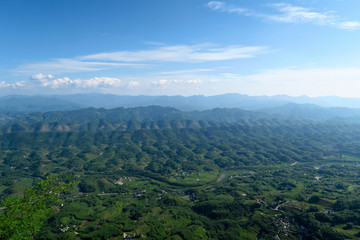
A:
(180, 47)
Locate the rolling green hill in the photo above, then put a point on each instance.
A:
(161, 173)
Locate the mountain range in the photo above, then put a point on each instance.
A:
(43, 103)
(111, 112)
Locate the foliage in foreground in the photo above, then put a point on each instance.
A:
(22, 217)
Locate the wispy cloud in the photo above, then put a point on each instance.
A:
(349, 25)
(181, 53)
(295, 14)
(187, 71)
(288, 13)
(221, 6)
(142, 58)
(65, 65)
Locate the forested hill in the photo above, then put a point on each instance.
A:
(152, 117)
(156, 117)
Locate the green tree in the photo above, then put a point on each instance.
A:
(22, 217)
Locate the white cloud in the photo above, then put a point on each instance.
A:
(4, 84)
(194, 81)
(181, 53)
(160, 82)
(58, 83)
(133, 84)
(187, 81)
(289, 13)
(51, 82)
(41, 76)
(101, 82)
(350, 25)
(18, 84)
(179, 80)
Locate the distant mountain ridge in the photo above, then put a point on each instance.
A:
(19, 103)
(313, 112)
(43, 103)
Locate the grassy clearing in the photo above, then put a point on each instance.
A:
(351, 158)
(349, 232)
(198, 178)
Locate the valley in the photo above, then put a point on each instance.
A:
(205, 180)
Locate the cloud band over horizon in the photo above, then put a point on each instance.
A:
(312, 82)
